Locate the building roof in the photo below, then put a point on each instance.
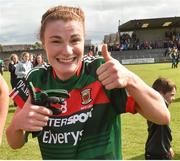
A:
(155, 23)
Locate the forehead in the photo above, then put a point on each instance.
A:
(39, 56)
(64, 27)
(14, 56)
(26, 54)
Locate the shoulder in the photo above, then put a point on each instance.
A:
(93, 60)
(92, 63)
(10, 64)
(19, 64)
(38, 72)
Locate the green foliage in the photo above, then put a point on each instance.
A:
(134, 129)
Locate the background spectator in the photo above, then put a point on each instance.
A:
(12, 67)
(158, 145)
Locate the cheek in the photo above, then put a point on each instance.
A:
(169, 99)
(79, 51)
(49, 50)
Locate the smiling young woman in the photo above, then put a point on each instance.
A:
(100, 89)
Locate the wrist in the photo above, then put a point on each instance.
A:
(132, 83)
(15, 124)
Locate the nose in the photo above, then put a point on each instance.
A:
(173, 98)
(67, 49)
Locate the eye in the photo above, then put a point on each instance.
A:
(76, 40)
(56, 41)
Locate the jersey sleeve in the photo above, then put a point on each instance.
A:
(20, 93)
(122, 102)
(130, 105)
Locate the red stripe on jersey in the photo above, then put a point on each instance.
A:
(12, 92)
(54, 73)
(79, 69)
(19, 101)
(130, 105)
(83, 99)
(38, 90)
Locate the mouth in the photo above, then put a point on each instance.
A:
(66, 60)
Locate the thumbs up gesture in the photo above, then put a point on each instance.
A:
(112, 74)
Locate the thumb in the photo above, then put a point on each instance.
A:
(30, 99)
(105, 53)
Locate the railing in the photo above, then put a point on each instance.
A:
(157, 54)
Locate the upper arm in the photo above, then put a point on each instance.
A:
(4, 94)
(4, 101)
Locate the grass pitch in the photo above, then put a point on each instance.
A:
(134, 129)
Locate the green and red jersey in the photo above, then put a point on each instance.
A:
(89, 125)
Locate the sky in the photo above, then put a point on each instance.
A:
(20, 19)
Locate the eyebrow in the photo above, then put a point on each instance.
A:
(59, 37)
(56, 37)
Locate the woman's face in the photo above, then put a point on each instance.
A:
(26, 57)
(39, 59)
(15, 59)
(170, 96)
(64, 45)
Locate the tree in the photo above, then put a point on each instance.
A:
(38, 45)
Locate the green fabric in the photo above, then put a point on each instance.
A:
(90, 128)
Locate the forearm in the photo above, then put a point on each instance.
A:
(15, 134)
(1, 132)
(3, 115)
(2, 123)
(149, 103)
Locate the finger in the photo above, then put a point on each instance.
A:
(42, 110)
(103, 75)
(29, 100)
(111, 85)
(102, 69)
(108, 80)
(105, 53)
(37, 123)
(34, 128)
(38, 116)
(114, 83)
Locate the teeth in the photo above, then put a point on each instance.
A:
(65, 60)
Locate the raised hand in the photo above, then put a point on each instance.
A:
(112, 74)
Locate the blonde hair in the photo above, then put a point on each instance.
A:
(13, 55)
(64, 13)
(23, 54)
